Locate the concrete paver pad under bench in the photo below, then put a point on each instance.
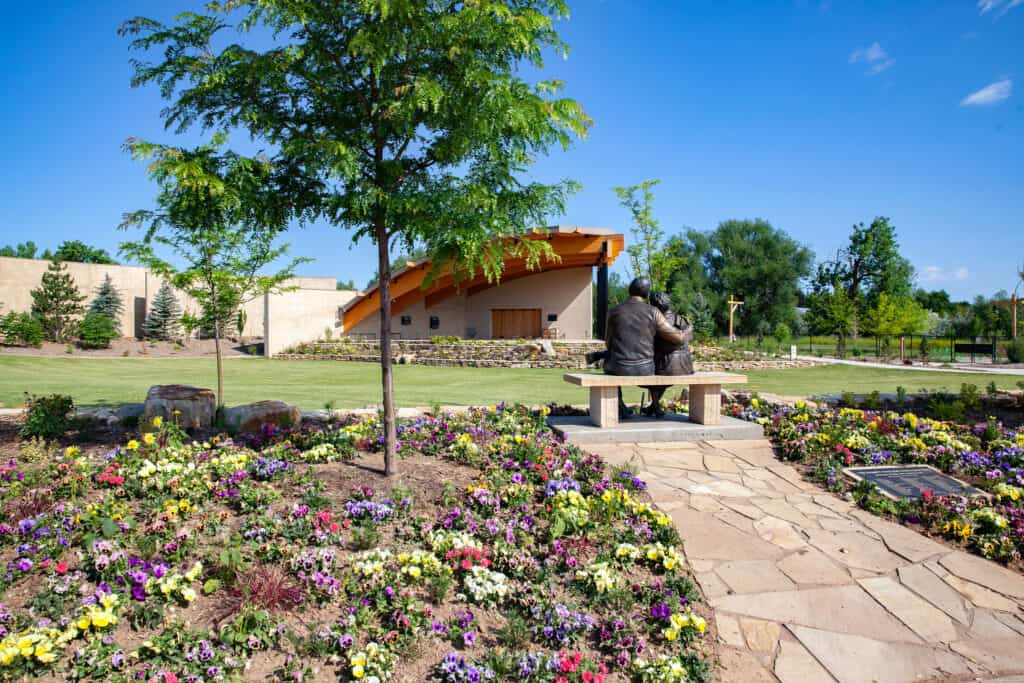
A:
(669, 429)
(807, 587)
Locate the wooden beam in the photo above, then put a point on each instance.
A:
(575, 251)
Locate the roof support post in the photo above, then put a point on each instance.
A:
(602, 295)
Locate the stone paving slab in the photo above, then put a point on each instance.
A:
(806, 587)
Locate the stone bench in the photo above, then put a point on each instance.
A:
(705, 393)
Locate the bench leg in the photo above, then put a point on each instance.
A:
(604, 406)
(706, 404)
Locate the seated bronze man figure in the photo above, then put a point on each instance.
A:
(670, 358)
(630, 335)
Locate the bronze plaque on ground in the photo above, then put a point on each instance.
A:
(907, 481)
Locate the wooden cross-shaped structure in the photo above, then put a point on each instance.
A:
(1012, 302)
(733, 305)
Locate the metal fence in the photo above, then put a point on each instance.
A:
(911, 347)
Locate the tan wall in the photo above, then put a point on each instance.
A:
(305, 312)
(18, 277)
(565, 293)
(301, 316)
(451, 315)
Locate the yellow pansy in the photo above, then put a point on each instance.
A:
(158, 422)
(133, 445)
(148, 438)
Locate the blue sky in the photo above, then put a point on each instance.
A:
(813, 115)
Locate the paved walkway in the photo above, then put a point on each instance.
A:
(979, 368)
(806, 587)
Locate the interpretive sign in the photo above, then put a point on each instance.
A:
(902, 482)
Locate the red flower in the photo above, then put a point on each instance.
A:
(927, 494)
(335, 527)
(169, 677)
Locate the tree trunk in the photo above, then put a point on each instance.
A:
(384, 289)
(220, 366)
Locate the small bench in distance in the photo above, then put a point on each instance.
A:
(705, 393)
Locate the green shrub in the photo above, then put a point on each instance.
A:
(96, 331)
(446, 339)
(1015, 351)
(20, 329)
(48, 417)
(969, 396)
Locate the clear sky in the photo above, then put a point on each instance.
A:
(812, 115)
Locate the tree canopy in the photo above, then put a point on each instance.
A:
(869, 265)
(750, 259)
(406, 122)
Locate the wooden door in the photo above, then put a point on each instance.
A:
(515, 323)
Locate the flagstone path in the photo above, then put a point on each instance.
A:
(806, 587)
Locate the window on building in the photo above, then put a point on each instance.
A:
(407, 320)
(435, 322)
(552, 317)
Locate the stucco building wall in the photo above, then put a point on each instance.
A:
(565, 294)
(300, 315)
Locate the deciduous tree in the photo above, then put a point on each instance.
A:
(79, 252)
(217, 218)
(647, 255)
(408, 122)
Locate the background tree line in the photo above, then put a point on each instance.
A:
(866, 288)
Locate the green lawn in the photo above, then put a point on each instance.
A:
(311, 384)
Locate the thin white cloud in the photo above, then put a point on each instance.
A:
(879, 67)
(875, 56)
(940, 274)
(993, 93)
(1000, 7)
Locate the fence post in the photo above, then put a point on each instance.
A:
(952, 346)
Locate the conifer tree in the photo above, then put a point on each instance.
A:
(701, 317)
(57, 303)
(108, 302)
(164, 318)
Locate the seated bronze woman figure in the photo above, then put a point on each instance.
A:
(670, 358)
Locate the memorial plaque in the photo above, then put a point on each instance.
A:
(905, 482)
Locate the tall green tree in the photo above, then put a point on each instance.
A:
(647, 256)
(79, 252)
(869, 265)
(749, 259)
(217, 217)
(163, 321)
(108, 302)
(57, 303)
(407, 122)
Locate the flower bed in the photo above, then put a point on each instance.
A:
(498, 553)
(987, 455)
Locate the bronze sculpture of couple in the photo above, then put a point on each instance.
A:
(644, 338)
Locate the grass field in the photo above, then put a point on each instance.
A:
(312, 384)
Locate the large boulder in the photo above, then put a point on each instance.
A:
(251, 417)
(196, 407)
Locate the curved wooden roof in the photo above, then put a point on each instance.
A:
(574, 246)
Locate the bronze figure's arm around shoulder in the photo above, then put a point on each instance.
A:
(667, 331)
